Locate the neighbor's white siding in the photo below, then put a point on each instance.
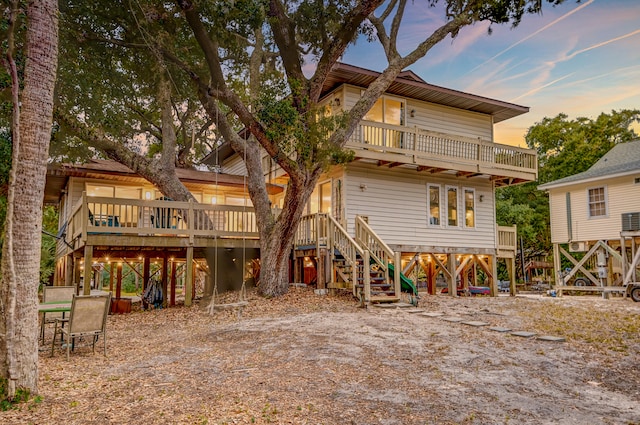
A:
(622, 196)
(395, 201)
(558, 214)
(443, 119)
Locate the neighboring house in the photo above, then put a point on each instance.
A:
(110, 217)
(597, 213)
(420, 192)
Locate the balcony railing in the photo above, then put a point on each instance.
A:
(134, 217)
(429, 145)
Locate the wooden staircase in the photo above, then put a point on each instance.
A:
(360, 264)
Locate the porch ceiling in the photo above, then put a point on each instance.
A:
(499, 177)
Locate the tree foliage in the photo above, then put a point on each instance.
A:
(570, 146)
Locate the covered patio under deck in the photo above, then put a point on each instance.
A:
(179, 244)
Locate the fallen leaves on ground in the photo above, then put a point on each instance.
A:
(308, 359)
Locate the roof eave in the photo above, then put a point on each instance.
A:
(552, 185)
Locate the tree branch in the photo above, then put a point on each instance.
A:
(284, 34)
(339, 44)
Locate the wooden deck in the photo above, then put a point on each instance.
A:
(100, 221)
(432, 151)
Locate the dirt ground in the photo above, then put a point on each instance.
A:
(309, 359)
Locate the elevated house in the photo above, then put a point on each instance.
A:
(419, 195)
(595, 223)
(112, 218)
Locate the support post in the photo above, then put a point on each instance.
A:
(396, 275)
(119, 280)
(88, 269)
(172, 300)
(366, 276)
(188, 280)
(111, 277)
(511, 270)
(557, 267)
(451, 265)
(493, 279)
(431, 276)
(68, 270)
(146, 263)
(164, 281)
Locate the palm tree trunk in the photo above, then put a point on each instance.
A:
(21, 251)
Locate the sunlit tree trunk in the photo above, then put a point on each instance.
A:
(31, 134)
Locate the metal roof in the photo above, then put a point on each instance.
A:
(622, 159)
(411, 86)
(58, 174)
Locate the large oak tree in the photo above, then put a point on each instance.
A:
(258, 65)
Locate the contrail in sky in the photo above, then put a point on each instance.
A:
(604, 43)
(537, 89)
(550, 24)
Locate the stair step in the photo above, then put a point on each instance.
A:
(384, 299)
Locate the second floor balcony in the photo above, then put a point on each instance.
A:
(431, 151)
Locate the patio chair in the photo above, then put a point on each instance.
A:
(88, 318)
(52, 294)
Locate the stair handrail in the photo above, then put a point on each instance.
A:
(344, 243)
(339, 239)
(379, 251)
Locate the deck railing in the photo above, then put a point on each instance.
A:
(135, 217)
(451, 148)
(507, 238)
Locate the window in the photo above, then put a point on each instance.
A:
(128, 192)
(452, 206)
(325, 197)
(469, 208)
(238, 201)
(320, 200)
(597, 202)
(388, 111)
(95, 190)
(433, 204)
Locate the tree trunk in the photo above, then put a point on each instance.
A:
(21, 251)
(276, 240)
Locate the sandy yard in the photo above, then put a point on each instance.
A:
(309, 359)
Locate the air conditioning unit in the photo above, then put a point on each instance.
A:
(578, 247)
(630, 222)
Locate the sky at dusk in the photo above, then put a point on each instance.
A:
(578, 58)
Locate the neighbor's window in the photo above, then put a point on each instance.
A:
(433, 204)
(469, 208)
(452, 206)
(597, 202)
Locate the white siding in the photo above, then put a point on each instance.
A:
(443, 119)
(558, 213)
(623, 196)
(235, 165)
(395, 201)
